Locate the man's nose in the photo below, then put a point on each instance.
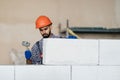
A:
(44, 31)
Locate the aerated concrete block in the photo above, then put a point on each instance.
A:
(84, 72)
(6, 72)
(109, 73)
(70, 51)
(36, 72)
(109, 52)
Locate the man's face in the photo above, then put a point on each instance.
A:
(45, 31)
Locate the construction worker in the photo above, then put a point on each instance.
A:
(44, 24)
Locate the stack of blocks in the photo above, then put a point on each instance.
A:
(71, 59)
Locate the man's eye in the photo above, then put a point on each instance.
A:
(45, 28)
(41, 30)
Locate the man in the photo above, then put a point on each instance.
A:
(44, 24)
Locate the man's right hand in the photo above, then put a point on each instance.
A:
(28, 61)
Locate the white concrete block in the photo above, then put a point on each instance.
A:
(6, 72)
(109, 73)
(70, 51)
(109, 52)
(34, 72)
(84, 73)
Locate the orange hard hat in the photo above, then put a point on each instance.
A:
(43, 21)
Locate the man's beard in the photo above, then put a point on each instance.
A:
(46, 35)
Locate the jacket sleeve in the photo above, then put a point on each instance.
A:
(35, 58)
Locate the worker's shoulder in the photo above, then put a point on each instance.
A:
(35, 45)
(38, 43)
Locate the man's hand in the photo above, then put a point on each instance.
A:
(28, 61)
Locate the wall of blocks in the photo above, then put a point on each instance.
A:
(71, 59)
